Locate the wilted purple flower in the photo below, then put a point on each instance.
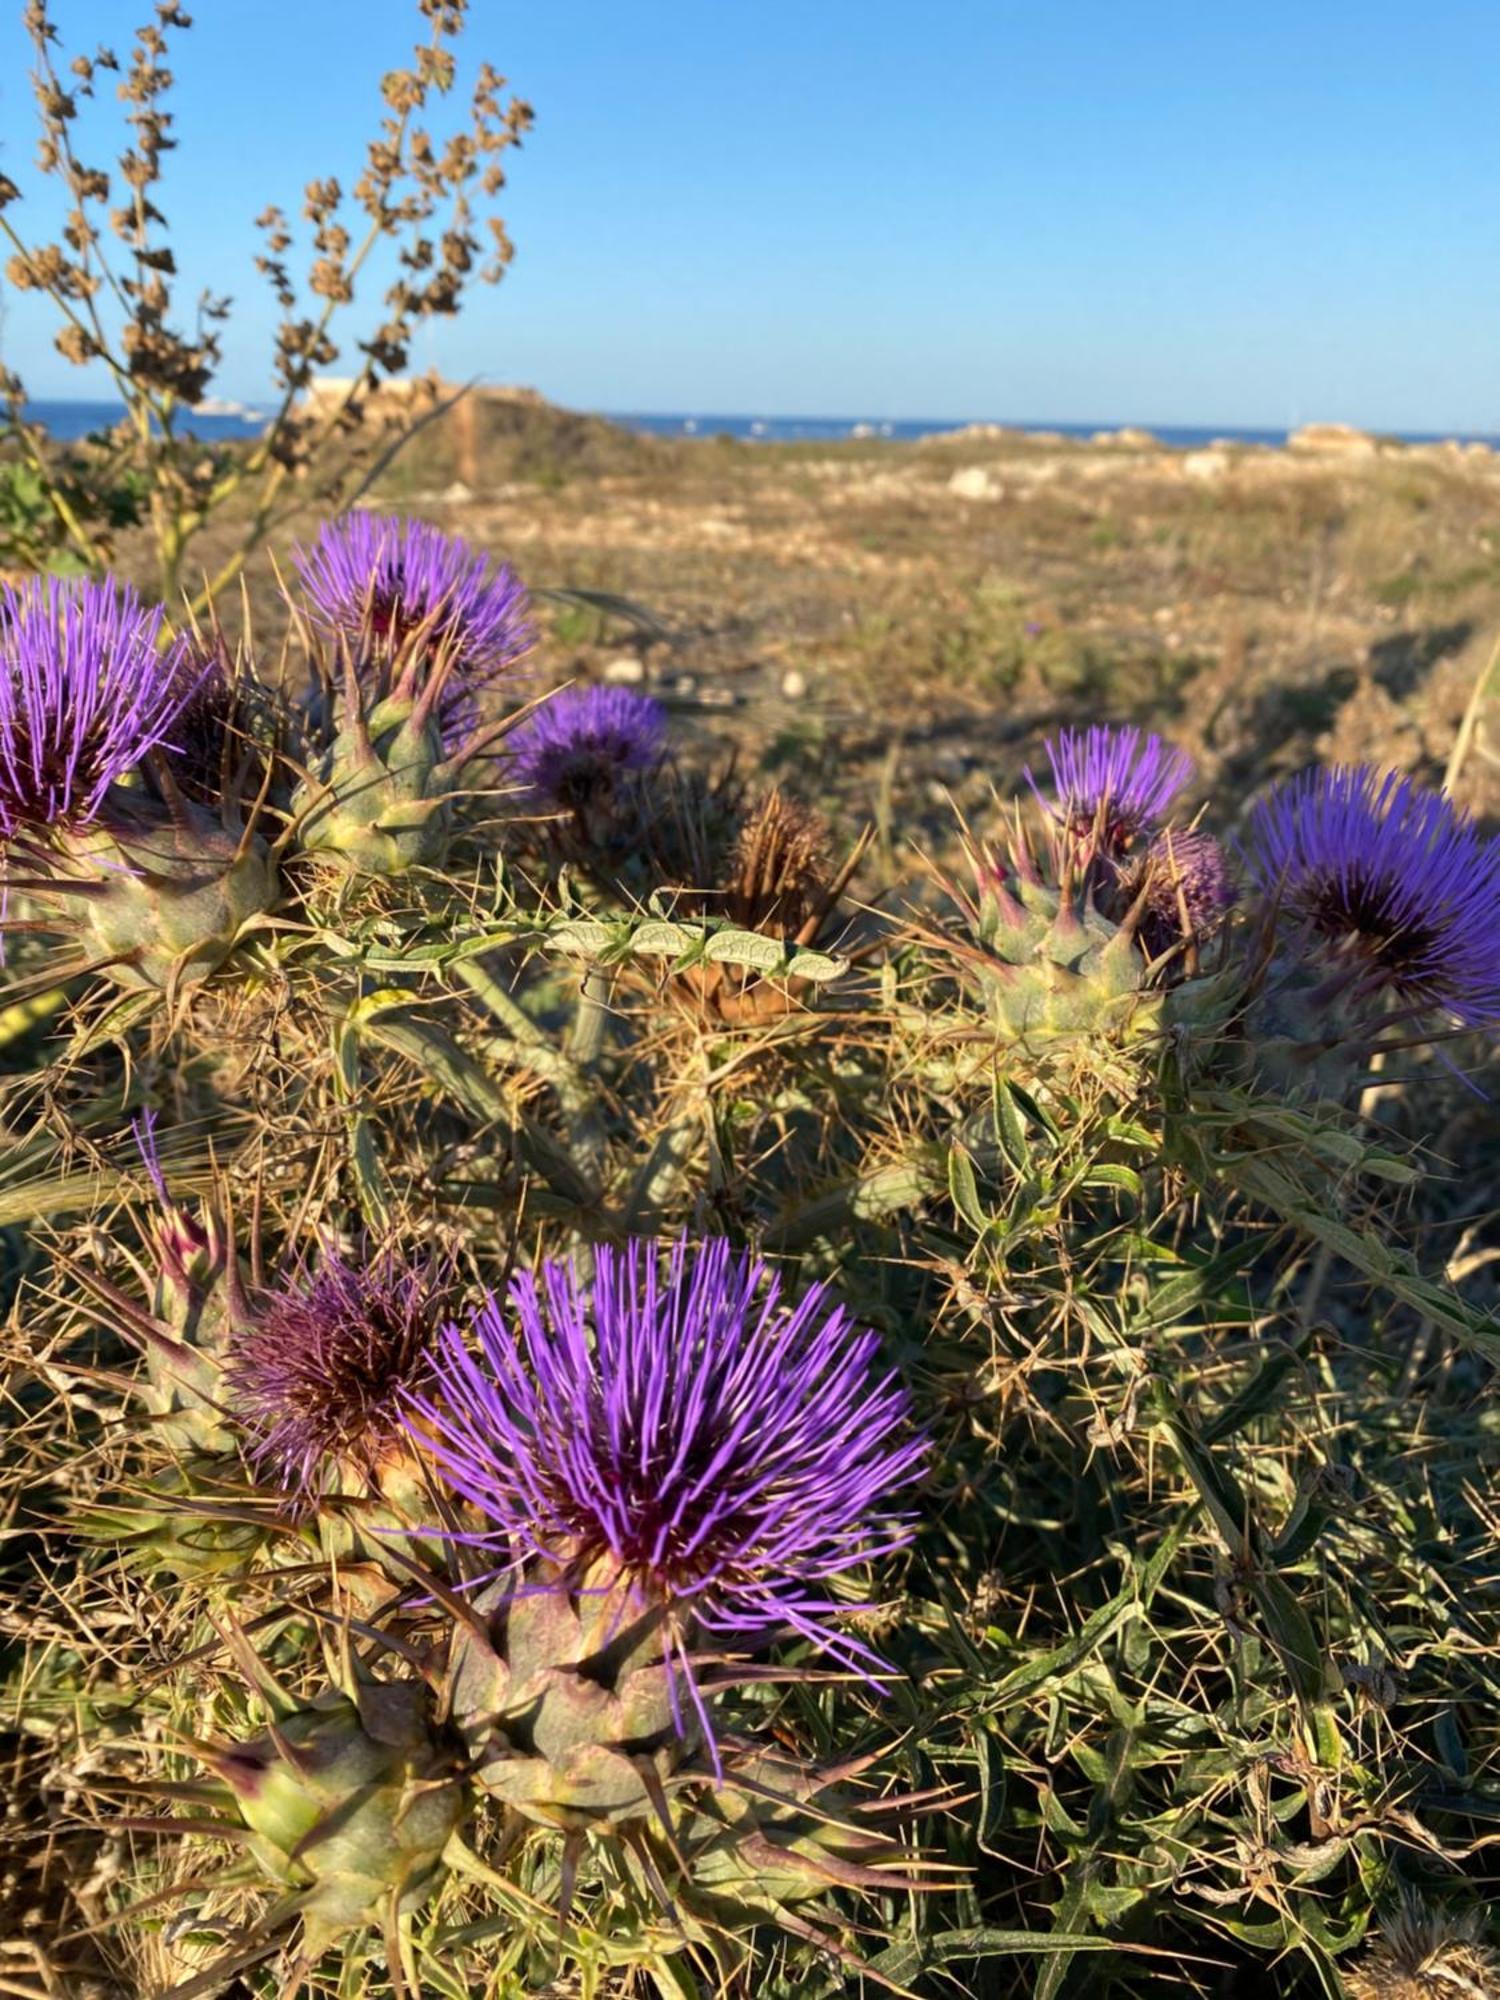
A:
(1393, 879)
(1189, 888)
(86, 690)
(318, 1372)
(572, 751)
(730, 1453)
(383, 579)
(1114, 783)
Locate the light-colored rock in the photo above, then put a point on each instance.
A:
(793, 684)
(625, 670)
(972, 482)
(458, 495)
(1131, 438)
(325, 395)
(1207, 465)
(1333, 441)
(974, 434)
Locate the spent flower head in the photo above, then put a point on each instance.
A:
(733, 1455)
(318, 1372)
(1114, 785)
(385, 583)
(780, 871)
(86, 690)
(1402, 890)
(572, 751)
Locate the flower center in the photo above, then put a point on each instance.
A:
(1363, 912)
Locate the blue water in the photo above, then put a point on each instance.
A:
(834, 430)
(828, 430)
(76, 420)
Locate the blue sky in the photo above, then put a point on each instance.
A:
(1192, 211)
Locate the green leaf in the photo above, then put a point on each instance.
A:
(660, 939)
(906, 1961)
(749, 948)
(818, 968)
(963, 1190)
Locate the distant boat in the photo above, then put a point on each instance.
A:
(224, 406)
(757, 429)
(862, 431)
(690, 424)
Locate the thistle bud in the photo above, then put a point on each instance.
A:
(421, 626)
(186, 1335)
(564, 1694)
(351, 1800)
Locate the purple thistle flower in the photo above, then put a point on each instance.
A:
(730, 1453)
(572, 751)
(86, 690)
(1393, 879)
(1114, 783)
(1189, 889)
(319, 1370)
(379, 579)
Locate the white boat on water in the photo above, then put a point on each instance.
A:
(224, 406)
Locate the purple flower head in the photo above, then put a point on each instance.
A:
(1114, 783)
(1189, 889)
(731, 1453)
(1395, 882)
(572, 751)
(384, 582)
(86, 690)
(318, 1372)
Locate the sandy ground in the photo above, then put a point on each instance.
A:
(888, 623)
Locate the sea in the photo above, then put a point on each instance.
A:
(66, 420)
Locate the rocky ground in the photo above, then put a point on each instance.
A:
(888, 623)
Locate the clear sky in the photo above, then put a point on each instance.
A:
(1191, 211)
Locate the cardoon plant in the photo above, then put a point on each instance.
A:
(778, 877)
(93, 702)
(1088, 927)
(1113, 786)
(87, 688)
(668, 1457)
(351, 1801)
(1186, 887)
(421, 625)
(318, 1367)
(1387, 895)
(402, 589)
(572, 754)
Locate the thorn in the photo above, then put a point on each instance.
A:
(254, 1668)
